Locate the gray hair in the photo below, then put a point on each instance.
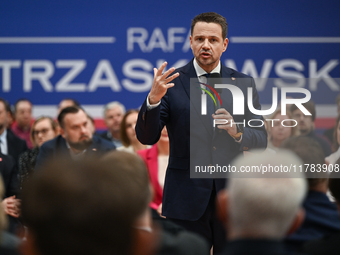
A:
(112, 105)
(265, 205)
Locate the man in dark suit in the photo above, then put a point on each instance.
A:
(321, 215)
(9, 142)
(10, 203)
(75, 139)
(187, 201)
(329, 244)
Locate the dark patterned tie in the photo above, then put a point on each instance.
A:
(210, 101)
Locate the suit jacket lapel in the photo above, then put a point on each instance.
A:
(192, 89)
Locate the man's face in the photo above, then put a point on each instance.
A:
(3, 116)
(76, 131)
(113, 118)
(207, 44)
(305, 123)
(23, 114)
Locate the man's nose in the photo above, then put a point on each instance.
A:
(84, 129)
(206, 44)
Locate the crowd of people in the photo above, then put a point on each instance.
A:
(67, 189)
(69, 138)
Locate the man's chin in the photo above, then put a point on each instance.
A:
(81, 145)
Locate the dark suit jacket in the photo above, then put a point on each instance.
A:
(57, 147)
(321, 219)
(16, 146)
(328, 245)
(9, 173)
(187, 198)
(256, 247)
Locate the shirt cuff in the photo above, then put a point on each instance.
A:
(151, 106)
(238, 141)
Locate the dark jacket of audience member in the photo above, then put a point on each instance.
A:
(321, 215)
(57, 147)
(329, 244)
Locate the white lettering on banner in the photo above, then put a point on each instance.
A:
(42, 76)
(280, 69)
(146, 75)
(77, 66)
(104, 68)
(157, 40)
(283, 70)
(138, 75)
(322, 74)
(238, 100)
(172, 38)
(139, 36)
(6, 73)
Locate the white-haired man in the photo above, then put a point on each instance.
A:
(258, 209)
(113, 116)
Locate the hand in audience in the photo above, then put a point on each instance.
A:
(11, 206)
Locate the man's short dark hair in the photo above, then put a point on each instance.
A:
(310, 106)
(65, 111)
(82, 207)
(310, 153)
(6, 103)
(211, 17)
(19, 101)
(74, 102)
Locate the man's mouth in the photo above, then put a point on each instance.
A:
(205, 54)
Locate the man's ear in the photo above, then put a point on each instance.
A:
(222, 206)
(62, 132)
(299, 218)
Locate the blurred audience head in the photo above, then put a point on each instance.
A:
(5, 110)
(305, 122)
(43, 129)
(23, 113)
(164, 136)
(260, 207)
(91, 124)
(134, 170)
(66, 102)
(338, 103)
(336, 134)
(279, 132)
(82, 207)
(311, 154)
(127, 128)
(113, 116)
(74, 128)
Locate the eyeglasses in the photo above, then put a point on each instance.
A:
(43, 131)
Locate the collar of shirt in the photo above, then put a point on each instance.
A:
(199, 70)
(3, 142)
(201, 73)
